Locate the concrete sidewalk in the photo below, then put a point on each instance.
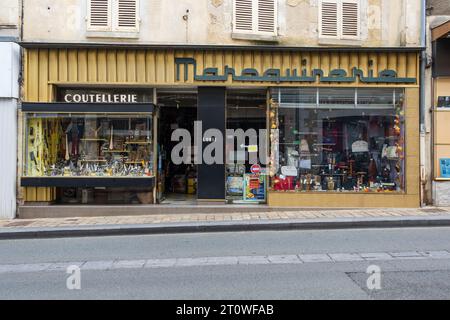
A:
(203, 222)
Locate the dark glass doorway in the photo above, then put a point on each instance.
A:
(246, 110)
(177, 184)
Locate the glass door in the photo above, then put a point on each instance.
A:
(245, 149)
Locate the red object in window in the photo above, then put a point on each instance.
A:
(283, 184)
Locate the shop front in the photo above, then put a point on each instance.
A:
(441, 114)
(283, 127)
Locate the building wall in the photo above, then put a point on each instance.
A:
(9, 93)
(10, 18)
(384, 23)
(437, 141)
(438, 7)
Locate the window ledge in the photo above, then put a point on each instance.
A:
(112, 34)
(254, 37)
(340, 42)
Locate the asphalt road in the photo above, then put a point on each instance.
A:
(331, 264)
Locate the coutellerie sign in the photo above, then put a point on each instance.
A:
(100, 98)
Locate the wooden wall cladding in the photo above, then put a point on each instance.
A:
(45, 68)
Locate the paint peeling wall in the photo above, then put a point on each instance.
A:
(384, 23)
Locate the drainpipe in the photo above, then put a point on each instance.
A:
(422, 109)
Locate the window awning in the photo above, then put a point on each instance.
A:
(440, 31)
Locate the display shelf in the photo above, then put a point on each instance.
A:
(116, 151)
(95, 160)
(94, 140)
(138, 142)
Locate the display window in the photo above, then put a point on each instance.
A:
(88, 145)
(337, 140)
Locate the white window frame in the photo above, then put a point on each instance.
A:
(113, 18)
(255, 30)
(340, 35)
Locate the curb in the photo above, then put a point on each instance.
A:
(228, 226)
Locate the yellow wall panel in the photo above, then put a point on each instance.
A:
(440, 151)
(102, 66)
(442, 130)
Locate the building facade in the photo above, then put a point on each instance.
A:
(438, 97)
(9, 96)
(329, 105)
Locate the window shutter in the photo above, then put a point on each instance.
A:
(99, 15)
(127, 13)
(350, 19)
(243, 15)
(266, 16)
(329, 19)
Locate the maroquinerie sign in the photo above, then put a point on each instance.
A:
(100, 98)
(288, 75)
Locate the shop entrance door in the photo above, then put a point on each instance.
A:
(246, 113)
(177, 183)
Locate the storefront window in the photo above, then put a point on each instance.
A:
(88, 145)
(337, 140)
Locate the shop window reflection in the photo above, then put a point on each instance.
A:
(88, 145)
(347, 141)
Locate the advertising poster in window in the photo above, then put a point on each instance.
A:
(254, 188)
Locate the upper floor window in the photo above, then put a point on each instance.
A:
(339, 19)
(113, 15)
(255, 17)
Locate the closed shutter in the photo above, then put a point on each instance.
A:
(266, 16)
(329, 19)
(255, 16)
(99, 15)
(243, 15)
(350, 19)
(339, 19)
(127, 14)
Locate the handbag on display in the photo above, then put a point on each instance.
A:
(289, 171)
(283, 183)
(392, 153)
(304, 147)
(360, 146)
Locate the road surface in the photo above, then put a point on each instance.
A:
(414, 263)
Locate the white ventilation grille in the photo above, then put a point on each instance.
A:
(266, 16)
(350, 19)
(329, 19)
(99, 16)
(127, 13)
(244, 15)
